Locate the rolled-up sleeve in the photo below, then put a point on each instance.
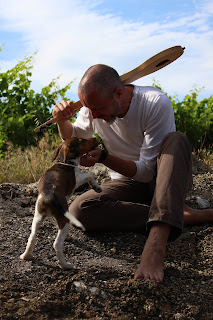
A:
(83, 127)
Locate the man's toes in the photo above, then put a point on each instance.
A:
(157, 277)
(149, 276)
(138, 275)
(160, 278)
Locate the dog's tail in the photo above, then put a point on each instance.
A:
(74, 221)
(51, 201)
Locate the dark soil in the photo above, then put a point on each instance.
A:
(101, 284)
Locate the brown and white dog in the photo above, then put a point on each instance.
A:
(55, 187)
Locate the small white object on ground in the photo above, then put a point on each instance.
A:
(203, 203)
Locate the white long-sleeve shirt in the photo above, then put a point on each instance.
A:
(138, 135)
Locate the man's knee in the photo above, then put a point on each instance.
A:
(176, 142)
(178, 138)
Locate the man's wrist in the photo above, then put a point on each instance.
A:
(103, 156)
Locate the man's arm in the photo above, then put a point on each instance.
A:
(65, 129)
(63, 111)
(125, 167)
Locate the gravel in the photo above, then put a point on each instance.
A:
(100, 285)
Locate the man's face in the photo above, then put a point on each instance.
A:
(101, 107)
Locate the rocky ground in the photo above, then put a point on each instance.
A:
(100, 285)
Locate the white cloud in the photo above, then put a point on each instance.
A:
(207, 6)
(71, 35)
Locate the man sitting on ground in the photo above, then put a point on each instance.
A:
(150, 163)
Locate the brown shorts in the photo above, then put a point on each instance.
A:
(128, 205)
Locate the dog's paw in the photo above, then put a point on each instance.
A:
(97, 189)
(24, 256)
(66, 266)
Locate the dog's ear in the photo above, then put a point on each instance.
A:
(61, 153)
(64, 154)
(56, 154)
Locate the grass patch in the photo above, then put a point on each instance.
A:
(205, 155)
(28, 165)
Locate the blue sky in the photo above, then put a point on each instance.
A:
(71, 35)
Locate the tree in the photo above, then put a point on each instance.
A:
(20, 105)
(194, 118)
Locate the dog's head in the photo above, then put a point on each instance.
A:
(73, 148)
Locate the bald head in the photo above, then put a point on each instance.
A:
(100, 78)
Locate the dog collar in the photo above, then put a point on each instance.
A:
(68, 164)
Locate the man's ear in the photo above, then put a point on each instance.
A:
(118, 92)
(56, 152)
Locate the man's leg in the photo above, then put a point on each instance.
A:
(154, 252)
(123, 205)
(166, 211)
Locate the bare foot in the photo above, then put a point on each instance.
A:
(151, 264)
(152, 259)
(194, 216)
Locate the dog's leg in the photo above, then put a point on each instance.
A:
(87, 177)
(37, 221)
(58, 246)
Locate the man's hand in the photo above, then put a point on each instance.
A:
(63, 111)
(89, 159)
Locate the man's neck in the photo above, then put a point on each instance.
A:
(126, 100)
